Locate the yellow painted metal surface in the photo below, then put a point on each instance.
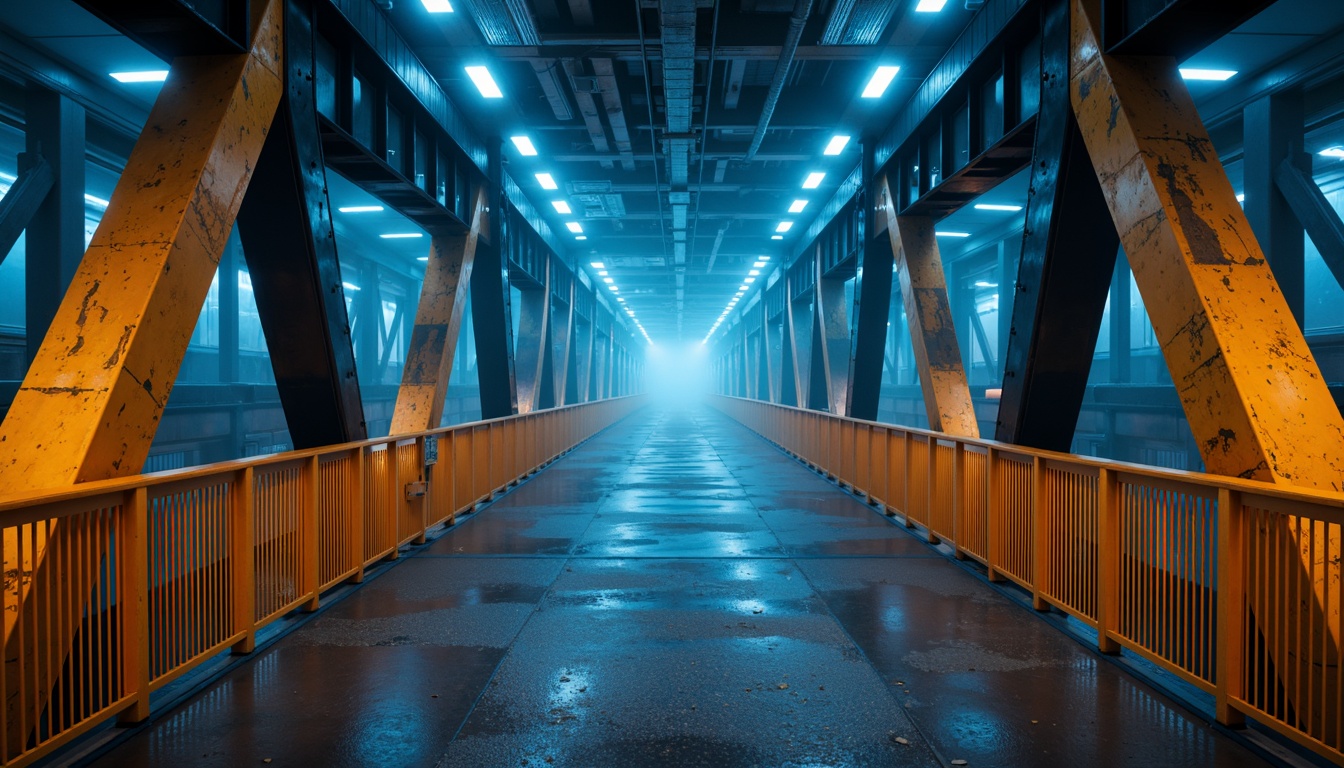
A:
(1251, 390)
(438, 323)
(90, 404)
(919, 267)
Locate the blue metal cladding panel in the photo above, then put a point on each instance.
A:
(514, 194)
(984, 28)
(377, 31)
(848, 189)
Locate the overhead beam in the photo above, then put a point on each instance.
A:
(1067, 261)
(1176, 28)
(172, 28)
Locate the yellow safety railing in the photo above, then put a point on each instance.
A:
(153, 575)
(1232, 586)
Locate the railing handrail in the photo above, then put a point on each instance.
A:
(1259, 488)
(27, 500)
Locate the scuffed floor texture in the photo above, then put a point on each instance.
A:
(678, 592)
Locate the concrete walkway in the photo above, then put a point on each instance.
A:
(678, 592)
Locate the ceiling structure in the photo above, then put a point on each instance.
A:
(680, 132)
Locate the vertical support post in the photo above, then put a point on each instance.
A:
(228, 312)
(358, 515)
(243, 539)
(919, 265)
(1108, 561)
(1231, 651)
(993, 528)
(491, 315)
(533, 338)
(1273, 128)
(562, 350)
(1040, 535)
(311, 520)
(133, 603)
(55, 233)
(872, 311)
(958, 497)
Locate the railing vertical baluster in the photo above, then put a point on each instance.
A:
(993, 515)
(1230, 650)
(357, 516)
(243, 540)
(310, 522)
(134, 603)
(1040, 534)
(1108, 561)
(905, 496)
(958, 497)
(395, 494)
(423, 476)
(930, 486)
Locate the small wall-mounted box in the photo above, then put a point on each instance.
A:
(416, 490)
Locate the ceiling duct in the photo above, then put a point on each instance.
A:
(678, 23)
(611, 99)
(858, 22)
(801, 10)
(504, 22)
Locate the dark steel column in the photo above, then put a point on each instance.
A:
(1273, 133)
(290, 248)
(872, 311)
(1067, 262)
(55, 240)
(491, 316)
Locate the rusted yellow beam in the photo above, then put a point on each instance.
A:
(919, 267)
(91, 402)
(1252, 392)
(438, 321)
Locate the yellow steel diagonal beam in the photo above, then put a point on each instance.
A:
(92, 399)
(1252, 392)
(438, 322)
(919, 267)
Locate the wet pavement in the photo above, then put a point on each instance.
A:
(678, 592)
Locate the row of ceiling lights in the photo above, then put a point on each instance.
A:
(752, 274)
(611, 286)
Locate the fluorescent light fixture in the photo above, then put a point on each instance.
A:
(401, 235)
(759, 264)
(738, 295)
(574, 226)
(748, 280)
(1216, 75)
(813, 180)
(742, 288)
(953, 234)
(603, 273)
(546, 182)
(350, 286)
(608, 280)
(581, 237)
(422, 258)
(985, 284)
(597, 265)
(765, 258)
(361, 209)
(562, 207)
(622, 300)
(1332, 152)
(784, 226)
(997, 207)
(484, 82)
(836, 145)
(776, 237)
(525, 146)
(798, 206)
(930, 6)
(754, 272)
(877, 85)
(96, 201)
(146, 76)
(438, 6)
(613, 288)
(1241, 198)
